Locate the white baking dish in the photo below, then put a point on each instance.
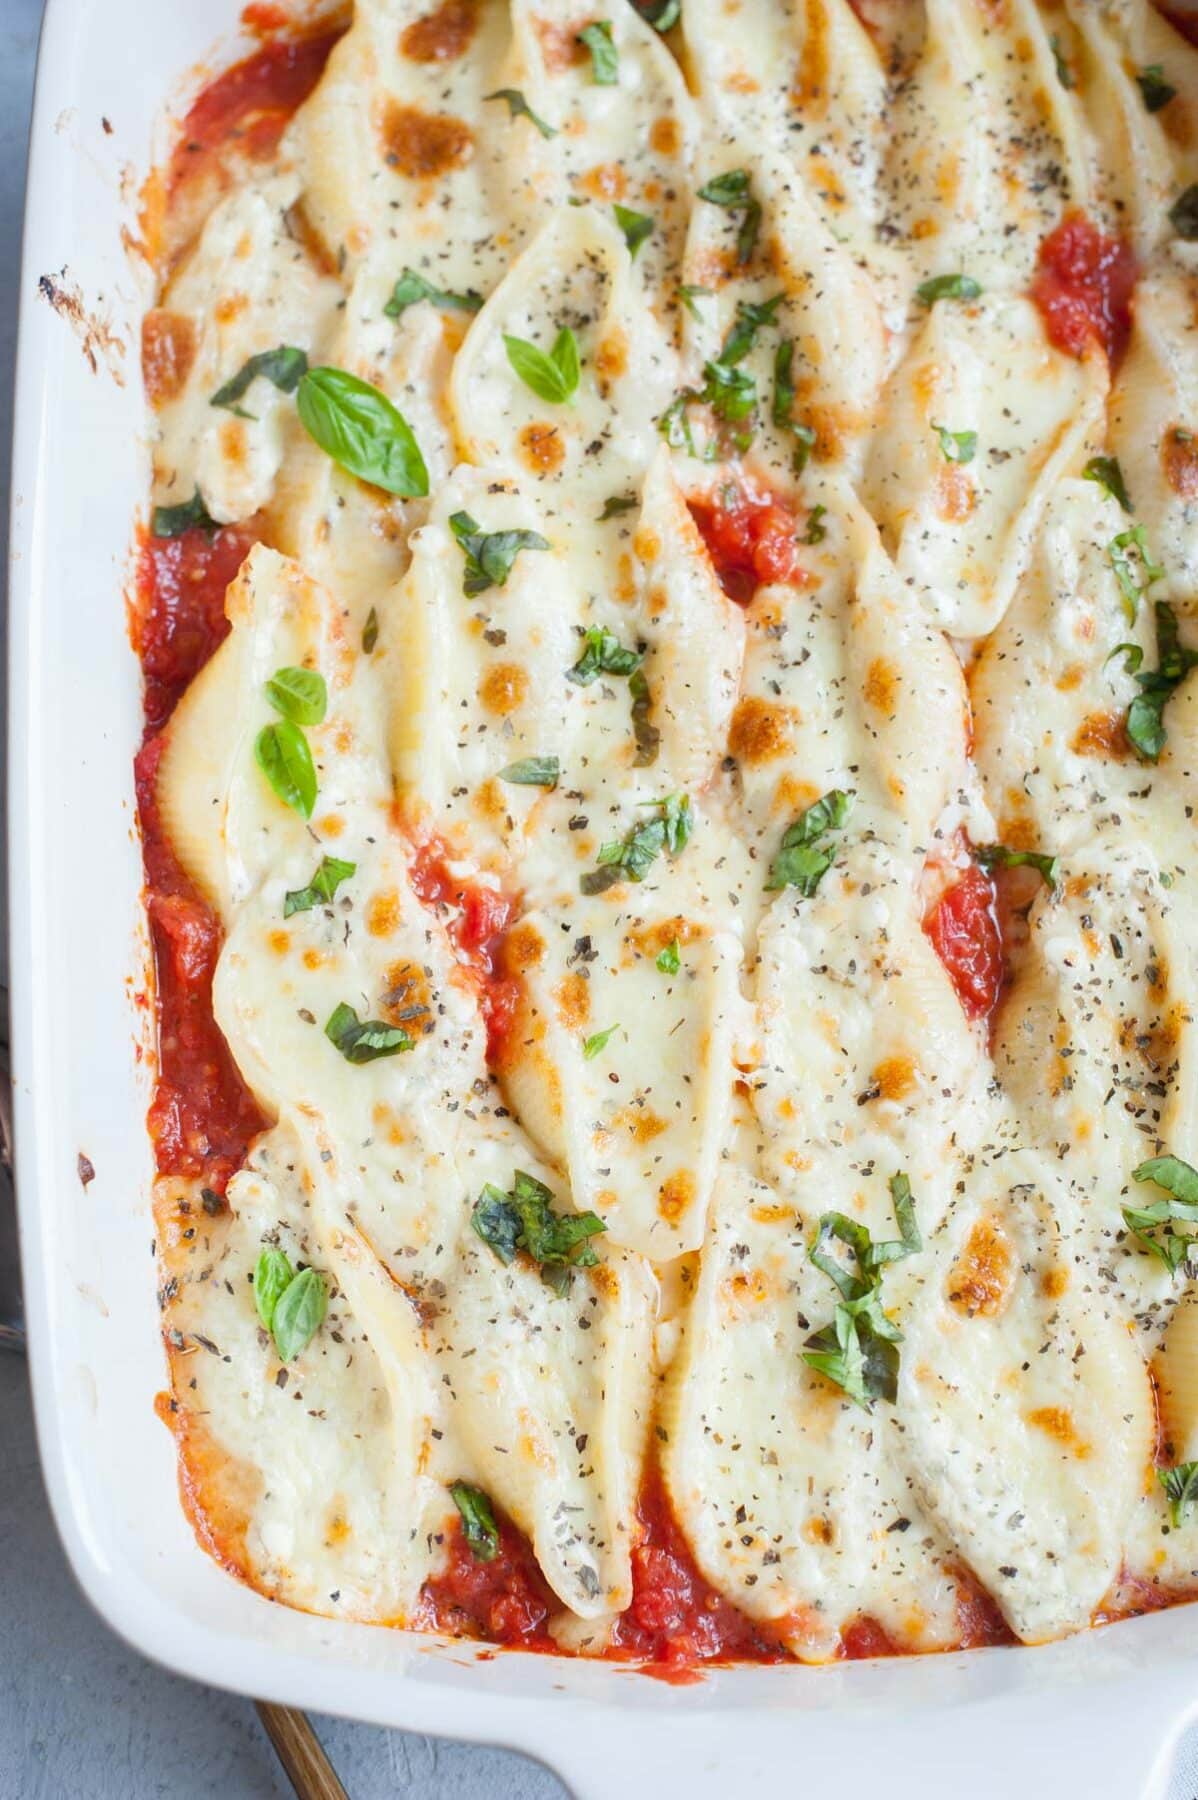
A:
(1100, 1713)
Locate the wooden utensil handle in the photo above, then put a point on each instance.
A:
(299, 1750)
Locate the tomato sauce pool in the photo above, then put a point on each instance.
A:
(1083, 286)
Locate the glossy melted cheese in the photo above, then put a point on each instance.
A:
(952, 651)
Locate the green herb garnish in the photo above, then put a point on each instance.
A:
(359, 428)
(413, 287)
(605, 58)
(1064, 72)
(1181, 1490)
(956, 446)
(552, 376)
(490, 555)
(1151, 1225)
(631, 858)
(858, 1351)
(615, 504)
(188, 515)
(283, 367)
(1132, 590)
(997, 856)
(533, 771)
(947, 287)
(1106, 472)
(1145, 715)
(518, 108)
(645, 734)
(669, 960)
(1183, 214)
(281, 752)
(804, 856)
(370, 631)
(734, 192)
(299, 1314)
(603, 654)
(636, 227)
(330, 873)
(364, 1040)
(301, 695)
(1156, 91)
(596, 1042)
(524, 1220)
(664, 16)
(478, 1520)
(273, 1273)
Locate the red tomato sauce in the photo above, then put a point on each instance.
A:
(249, 106)
(476, 932)
(505, 1601)
(1083, 285)
(964, 930)
(676, 1619)
(751, 539)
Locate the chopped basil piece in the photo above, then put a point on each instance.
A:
(750, 317)
(605, 58)
(533, 771)
(173, 521)
(636, 226)
(360, 429)
(273, 1274)
(490, 555)
(664, 16)
(283, 366)
(596, 1042)
(645, 734)
(816, 530)
(299, 1314)
(783, 405)
(553, 376)
(1145, 721)
(858, 1350)
(734, 192)
(947, 287)
(631, 858)
(1106, 472)
(524, 1220)
(478, 1521)
(602, 654)
(299, 694)
(281, 752)
(370, 631)
(1181, 1491)
(1132, 654)
(412, 287)
(669, 960)
(364, 1040)
(330, 873)
(1179, 1181)
(956, 446)
(688, 294)
(616, 504)
(730, 392)
(997, 856)
(1156, 91)
(804, 858)
(1135, 539)
(1183, 214)
(518, 108)
(1064, 72)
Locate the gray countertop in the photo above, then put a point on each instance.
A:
(83, 1717)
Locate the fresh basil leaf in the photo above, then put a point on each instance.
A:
(1135, 539)
(804, 857)
(947, 287)
(1106, 472)
(364, 1040)
(816, 530)
(956, 446)
(490, 555)
(784, 387)
(299, 1314)
(669, 960)
(1132, 654)
(636, 226)
(1181, 1491)
(997, 856)
(730, 392)
(299, 694)
(1064, 72)
(605, 58)
(518, 108)
(854, 1354)
(281, 752)
(524, 1220)
(478, 1520)
(858, 1350)
(1145, 716)
(273, 1274)
(631, 858)
(330, 873)
(1156, 91)
(615, 504)
(597, 1041)
(1176, 1177)
(645, 734)
(552, 377)
(283, 367)
(689, 293)
(602, 654)
(413, 287)
(360, 429)
(749, 320)
(734, 191)
(189, 515)
(370, 632)
(664, 16)
(533, 771)
(1152, 1225)
(1183, 214)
